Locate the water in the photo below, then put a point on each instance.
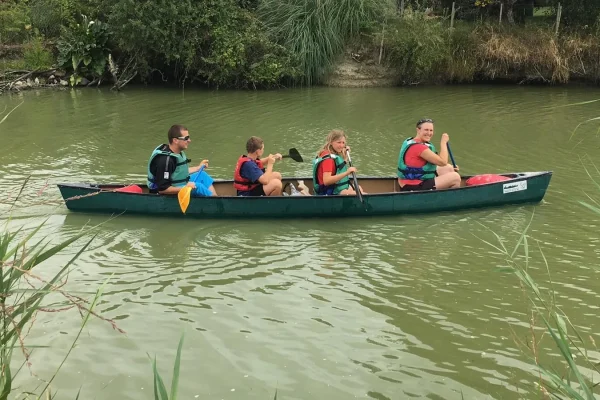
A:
(382, 308)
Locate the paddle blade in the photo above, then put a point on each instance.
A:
(295, 155)
(184, 198)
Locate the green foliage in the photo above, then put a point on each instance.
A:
(23, 294)
(571, 382)
(48, 16)
(15, 22)
(245, 58)
(36, 56)
(83, 48)
(160, 391)
(316, 31)
(417, 47)
(215, 41)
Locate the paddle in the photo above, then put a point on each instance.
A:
(184, 195)
(356, 188)
(294, 155)
(451, 156)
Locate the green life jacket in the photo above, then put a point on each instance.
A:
(340, 167)
(180, 176)
(415, 173)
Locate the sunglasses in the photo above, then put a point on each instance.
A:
(423, 121)
(186, 138)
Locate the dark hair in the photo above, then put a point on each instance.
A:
(175, 132)
(423, 121)
(253, 144)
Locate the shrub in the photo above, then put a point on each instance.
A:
(214, 41)
(83, 49)
(316, 31)
(36, 56)
(14, 22)
(417, 47)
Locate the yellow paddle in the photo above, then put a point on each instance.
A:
(184, 198)
(185, 193)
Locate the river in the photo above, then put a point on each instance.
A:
(382, 308)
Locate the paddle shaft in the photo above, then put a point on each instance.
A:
(294, 155)
(356, 187)
(451, 156)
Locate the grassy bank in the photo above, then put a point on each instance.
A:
(418, 49)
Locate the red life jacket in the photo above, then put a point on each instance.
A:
(241, 183)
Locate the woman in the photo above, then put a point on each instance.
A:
(420, 167)
(330, 169)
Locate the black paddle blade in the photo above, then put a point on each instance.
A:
(295, 155)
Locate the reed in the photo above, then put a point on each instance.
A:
(316, 31)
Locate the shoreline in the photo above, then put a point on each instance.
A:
(342, 78)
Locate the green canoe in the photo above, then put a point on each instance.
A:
(383, 198)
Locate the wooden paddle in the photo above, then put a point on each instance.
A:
(185, 194)
(356, 187)
(294, 155)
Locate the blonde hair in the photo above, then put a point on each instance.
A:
(333, 136)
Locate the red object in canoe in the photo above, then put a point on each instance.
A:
(485, 178)
(130, 189)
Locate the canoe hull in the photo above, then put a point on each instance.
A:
(525, 188)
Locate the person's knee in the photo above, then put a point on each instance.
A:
(277, 175)
(445, 169)
(456, 177)
(274, 187)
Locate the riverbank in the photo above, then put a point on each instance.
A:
(410, 50)
(416, 52)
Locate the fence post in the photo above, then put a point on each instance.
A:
(501, 7)
(381, 45)
(558, 15)
(452, 16)
(401, 7)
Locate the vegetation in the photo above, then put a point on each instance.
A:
(425, 51)
(316, 31)
(269, 43)
(24, 294)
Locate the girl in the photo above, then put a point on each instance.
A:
(330, 169)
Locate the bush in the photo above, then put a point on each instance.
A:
(36, 56)
(419, 48)
(83, 49)
(214, 41)
(14, 22)
(48, 16)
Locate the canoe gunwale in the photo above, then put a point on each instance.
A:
(518, 176)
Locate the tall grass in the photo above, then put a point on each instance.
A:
(24, 293)
(425, 49)
(578, 371)
(316, 31)
(160, 390)
(570, 382)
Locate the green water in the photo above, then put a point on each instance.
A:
(383, 308)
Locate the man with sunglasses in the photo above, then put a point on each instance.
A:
(420, 167)
(168, 170)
